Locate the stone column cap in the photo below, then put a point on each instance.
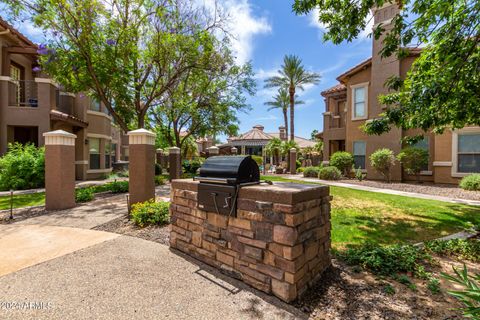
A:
(59, 137)
(141, 136)
(159, 150)
(293, 150)
(174, 150)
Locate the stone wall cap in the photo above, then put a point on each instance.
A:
(280, 192)
(174, 150)
(59, 133)
(141, 132)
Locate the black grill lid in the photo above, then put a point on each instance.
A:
(230, 169)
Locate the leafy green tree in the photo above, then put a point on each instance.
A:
(287, 146)
(282, 101)
(292, 75)
(127, 53)
(441, 89)
(413, 160)
(206, 100)
(382, 160)
(313, 135)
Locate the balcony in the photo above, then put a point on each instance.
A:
(23, 93)
(334, 126)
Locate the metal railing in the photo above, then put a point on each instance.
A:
(23, 93)
(65, 104)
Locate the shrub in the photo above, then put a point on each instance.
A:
(359, 175)
(461, 248)
(22, 167)
(158, 169)
(191, 166)
(311, 172)
(385, 260)
(343, 161)
(382, 160)
(150, 213)
(123, 174)
(433, 285)
(84, 194)
(470, 295)
(300, 169)
(471, 182)
(298, 163)
(159, 180)
(329, 173)
(118, 186)
(258, 159)
(413, 160)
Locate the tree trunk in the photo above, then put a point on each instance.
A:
(292, 113)
(285, 120)
(141, 119)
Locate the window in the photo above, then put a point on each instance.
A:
(468, 152)
(424, 144)
(95, 104)
(359, 154)
(108, 151)
(114, 153)
(359, 101)
(94, 148)
(16, 74)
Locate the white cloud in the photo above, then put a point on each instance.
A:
(313, 21)
(242, 25)
(262, 74)
(30, 31)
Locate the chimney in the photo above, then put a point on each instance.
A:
(283, 133)
(382, 68)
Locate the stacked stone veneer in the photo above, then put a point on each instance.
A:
(279, 242)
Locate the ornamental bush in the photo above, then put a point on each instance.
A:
(300, 169)
(413, 160)
(471, 182)
(191, 166)
(311, 172)
(343, 161)
(22, 167)
(329, 173)
(84, 194)
(383, 160)
(158, 169)
(150, 213)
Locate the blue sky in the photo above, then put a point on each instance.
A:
(266, 30)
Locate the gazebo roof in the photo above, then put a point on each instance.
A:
(256, 134)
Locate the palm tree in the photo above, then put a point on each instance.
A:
(281, 101)
(274, 148)
(293, 76)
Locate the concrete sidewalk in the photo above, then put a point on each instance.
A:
(386, 191)
(131, 278)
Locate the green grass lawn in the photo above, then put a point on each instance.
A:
(361, 216)
(23, 200)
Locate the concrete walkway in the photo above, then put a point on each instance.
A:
(386, 191)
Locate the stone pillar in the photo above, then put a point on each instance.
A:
(159, 154)
(141, 165)
(234, 151)
(175, 163)
(59, 170)
(293, 161)
(213, 151)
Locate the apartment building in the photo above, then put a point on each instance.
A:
(32, 104)
(354, 100)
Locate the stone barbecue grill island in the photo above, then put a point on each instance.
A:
(278, 241)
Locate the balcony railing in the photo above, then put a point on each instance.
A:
(65, 104)
(23, 93)
(337, 121)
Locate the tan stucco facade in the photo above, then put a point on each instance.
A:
(371, 75)
(32, 104)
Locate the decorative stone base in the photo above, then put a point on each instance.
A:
(279, 243)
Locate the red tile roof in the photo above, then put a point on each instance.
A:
(362, 65)
(335, 89)
(5, 25)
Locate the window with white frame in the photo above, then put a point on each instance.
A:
(359, 101)
(359, 154)
(468, 152)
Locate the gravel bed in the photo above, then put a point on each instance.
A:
(444, 190)
(342, 293)
(124, 226)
